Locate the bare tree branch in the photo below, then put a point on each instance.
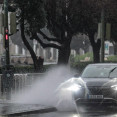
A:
(46, 45)
(48, 38)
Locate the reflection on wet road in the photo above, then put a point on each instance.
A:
(75, 114)
(82, 113)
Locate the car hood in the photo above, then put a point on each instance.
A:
(107, 82)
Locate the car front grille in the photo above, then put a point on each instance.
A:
(105, 91)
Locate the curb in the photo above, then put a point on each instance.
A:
(46, 110)
(12, 110)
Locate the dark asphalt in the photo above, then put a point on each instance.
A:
(75, 114)
(16, 110)
(81, 112)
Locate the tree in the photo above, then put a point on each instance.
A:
(112, 19)
(63, 19)
(90, 13)
(80, 41)
(59, 23)
(114, 36)
(90, 16)
(31, 16)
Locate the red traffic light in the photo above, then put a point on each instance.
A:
(6, 34)
(6, 37)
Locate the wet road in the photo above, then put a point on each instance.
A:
(65, 100)
(75, 114)
(106, 112)
(63, 111)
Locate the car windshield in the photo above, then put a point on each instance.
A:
(99, 71)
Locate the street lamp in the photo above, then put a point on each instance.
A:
(102, 33)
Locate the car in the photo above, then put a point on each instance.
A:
(100, 85)
(97, 84)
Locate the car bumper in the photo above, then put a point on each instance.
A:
(105, 101)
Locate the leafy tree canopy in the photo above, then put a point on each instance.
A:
(34, 14)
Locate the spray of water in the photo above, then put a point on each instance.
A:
(44, 90)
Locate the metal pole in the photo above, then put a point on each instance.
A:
(102, 34)
(6, 73)
(6, 29)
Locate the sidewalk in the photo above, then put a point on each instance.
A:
(11, 109)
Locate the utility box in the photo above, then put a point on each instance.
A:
(7, 79)
(3, 60)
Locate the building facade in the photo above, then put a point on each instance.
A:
(19, 54)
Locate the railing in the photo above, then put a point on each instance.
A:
(22, 81)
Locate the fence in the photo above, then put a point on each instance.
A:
(22, 81)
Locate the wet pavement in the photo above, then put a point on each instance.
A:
(81, 112)
(75, 114)
(36, 110)
(14, 110)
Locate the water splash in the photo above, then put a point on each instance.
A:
(66, 95)
(43, 91)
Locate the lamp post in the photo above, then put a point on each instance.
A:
(102, 34)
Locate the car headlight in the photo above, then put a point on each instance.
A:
(74, 87)
(114, 87)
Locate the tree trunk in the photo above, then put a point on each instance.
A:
(96, 54)
(64, 53)
(115, 48)
(33, 55)
(63, 56)
(96, 48)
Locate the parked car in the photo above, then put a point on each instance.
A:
(96, 85)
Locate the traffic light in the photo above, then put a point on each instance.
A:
(6, 38)
(6, 34)
(12, 22)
